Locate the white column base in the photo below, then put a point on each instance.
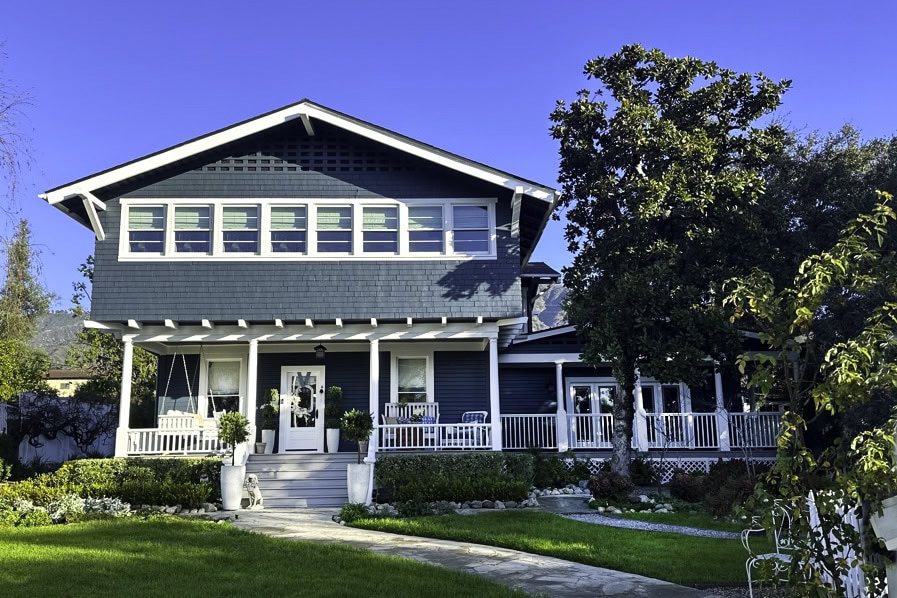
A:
(121, 442)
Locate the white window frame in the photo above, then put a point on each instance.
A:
(311, 205)
(127, 230)
(657, 390)
(399, 222)
(490, 230)
(214, 356)
(353, 229)
(219, 237)
(171, 241)
(408, 353)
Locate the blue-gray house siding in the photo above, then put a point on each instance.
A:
(260, 290)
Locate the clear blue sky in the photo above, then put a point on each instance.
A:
(112, 81)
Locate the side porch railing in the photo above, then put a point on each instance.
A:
(163, 441)
(708, 431)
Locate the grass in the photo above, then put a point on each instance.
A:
(172, 557)
(680, 559)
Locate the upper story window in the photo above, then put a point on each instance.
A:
(335, 229)
(320, 229)
(193, 229)
(470, 229)
(289, 229)
(240, 229)
(146, 229)
(426, 230)
(380, 229)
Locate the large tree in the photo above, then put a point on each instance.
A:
(660, 175)
(14, 147)
(23, 299)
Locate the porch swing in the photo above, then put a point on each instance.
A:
(183, 412)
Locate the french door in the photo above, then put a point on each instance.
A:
(302, 409)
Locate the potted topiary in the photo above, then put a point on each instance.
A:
(233, 430)
(358, 426)
(270, 412)
(333, 410)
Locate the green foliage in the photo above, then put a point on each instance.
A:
(453, 477)
(270, 409)
(610, 485)
(333, 407)
(642, 472)
(22, 369)
(661, 176)
(233, 428)
(5, 470)
(23, 300)
(357, 426)
(686, 486)
(353, 511)
(549, 470)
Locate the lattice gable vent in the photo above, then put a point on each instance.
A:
(295, 152)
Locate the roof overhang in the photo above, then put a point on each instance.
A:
(81, 191)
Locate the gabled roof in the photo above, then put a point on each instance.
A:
(80, 191)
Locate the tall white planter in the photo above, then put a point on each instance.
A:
(332, 440)
(358, 477)
(268, 439)
(232, 477)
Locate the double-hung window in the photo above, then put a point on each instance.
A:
(425, 229)
(380, 230)
(193, 229)
(334, 229)
(470, 229)
(240, 229)
(289, 229)
(146, 229)
(412, 379)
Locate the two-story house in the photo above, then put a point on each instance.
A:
(305, 248)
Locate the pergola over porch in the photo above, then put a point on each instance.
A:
(249, 339)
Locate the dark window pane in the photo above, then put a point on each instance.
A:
(292, 241)
(470, 241)
(146, 241)
(425, 241)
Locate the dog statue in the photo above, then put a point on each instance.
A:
(256, 501)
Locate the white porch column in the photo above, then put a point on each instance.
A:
(562, 424)
(252, 373)
(494, 406)
(374, 400)
(124, 405)
(722, 416)
(640, 421)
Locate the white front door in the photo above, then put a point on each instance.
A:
(302, 409)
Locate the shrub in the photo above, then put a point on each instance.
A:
(189, 496)
(111, 507)
(642, 472)
(66, 509)
(729, 483)
(353, 511)
(5, 470)
(549, 470)
(610, 485)
(686, 486)
(413, 507)
(36, 490)
(92, 471)
(453, 477)
(34, 518)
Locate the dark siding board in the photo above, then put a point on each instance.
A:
(178, 386)
(461, 380)
(527, 390)
(261, 290)
(579, 371)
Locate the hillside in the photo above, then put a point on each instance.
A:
(56, 332)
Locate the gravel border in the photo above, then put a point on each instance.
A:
(597, 519)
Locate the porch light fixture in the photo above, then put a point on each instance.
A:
(319, 351)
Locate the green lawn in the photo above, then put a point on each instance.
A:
(173, 557)
(681, 559)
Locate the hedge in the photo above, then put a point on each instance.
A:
(453, 477)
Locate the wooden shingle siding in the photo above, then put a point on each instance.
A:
(461, 380)
(260, 290)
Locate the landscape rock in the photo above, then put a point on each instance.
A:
(488, 504)
(209, 507)
(511, 504)
(476, 504)
(171, 510)
(499, 504)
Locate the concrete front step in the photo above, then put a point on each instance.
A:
(302, 479)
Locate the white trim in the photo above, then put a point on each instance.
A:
(532, 336)
(311, 205)
(307, 110)
(94, 218)
(546, 358)
(587, 381)
(211, 354)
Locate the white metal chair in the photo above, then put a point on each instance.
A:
(781, 558)
(468, 433)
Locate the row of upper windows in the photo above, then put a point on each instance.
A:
(176, 229)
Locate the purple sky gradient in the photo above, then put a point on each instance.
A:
(112, 81)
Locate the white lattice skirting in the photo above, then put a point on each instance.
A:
(668, 466)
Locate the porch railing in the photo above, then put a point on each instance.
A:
(682, 430)
(163, 441)
(529, 431)
(591, 430)
(418, 436)
(409, 410)
(754, 430)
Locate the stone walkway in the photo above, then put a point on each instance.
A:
(533, 574)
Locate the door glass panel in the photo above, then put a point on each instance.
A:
(606, 399)
(671, 399)
(582, 399)
(303, 400)
(648, 399)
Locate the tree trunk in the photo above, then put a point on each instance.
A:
(623, 413)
